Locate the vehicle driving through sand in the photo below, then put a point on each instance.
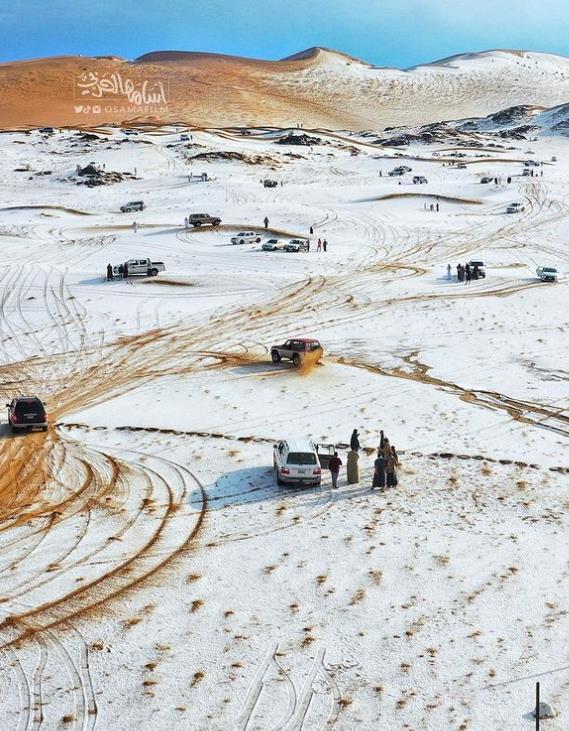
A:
(297, 350)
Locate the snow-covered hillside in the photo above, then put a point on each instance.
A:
(153, 574)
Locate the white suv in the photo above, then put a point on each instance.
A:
(296, 462)
(246, 237)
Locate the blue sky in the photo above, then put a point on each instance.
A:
(385, 32)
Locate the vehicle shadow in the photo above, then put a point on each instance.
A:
(258, 485)
(7, 433)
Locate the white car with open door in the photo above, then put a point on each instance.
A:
(296, 462)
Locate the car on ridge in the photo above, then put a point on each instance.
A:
(200, 219)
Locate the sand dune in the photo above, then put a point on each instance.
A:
(316, 87)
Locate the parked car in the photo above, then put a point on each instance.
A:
(146, 267)
(460, 166)
(476, 263)
(553, 158)
(296, 349)
(419, 180)
(273, 245)
(396, 172)
(26, 412)
(184, 137)
(295, 462)
(199, 219)
(515, 208)
(267, 183)
(547, 274)
(532, 163)
(246, 237)
(485, 180)
(526, 172)
(133, 206)
(296, 245)
(245, 132)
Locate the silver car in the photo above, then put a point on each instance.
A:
(273, 245)
(246, 237)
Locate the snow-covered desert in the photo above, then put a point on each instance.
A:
(152, 572)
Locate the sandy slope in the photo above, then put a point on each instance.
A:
(152, 574)
(317, 87)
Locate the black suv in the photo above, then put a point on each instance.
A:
(26, 412)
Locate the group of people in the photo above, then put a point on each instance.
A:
(385, 464)
(322, 245)
(122, 272)
(466, 273)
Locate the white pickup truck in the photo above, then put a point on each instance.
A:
(146, 267)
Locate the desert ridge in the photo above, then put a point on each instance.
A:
(314, 88)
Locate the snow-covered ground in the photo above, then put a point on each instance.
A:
(152, 574)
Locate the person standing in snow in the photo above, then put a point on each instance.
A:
(467, 274)
(391, 471)
(307, 244)
(334, 466)
(354, 441)
(437, 207)
(109, 272)
(134, 226)
(379, 466)
(311, 231)
(325, 245)
(386, 448)
(121, 270)
(319, 245)
(266, 222)
(125, 270)
(381, 439)
(449, 277)
(395, 455)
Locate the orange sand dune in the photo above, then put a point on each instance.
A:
(317, 88)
